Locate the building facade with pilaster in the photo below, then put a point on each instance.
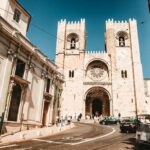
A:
(31, 86)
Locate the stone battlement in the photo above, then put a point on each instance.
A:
(110, 23)
(120, 22)
(72, 24)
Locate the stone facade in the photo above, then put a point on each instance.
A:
(105, 82)
(31, 86)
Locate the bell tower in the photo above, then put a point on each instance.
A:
(71, 40)
(127, 76)
(70, 53)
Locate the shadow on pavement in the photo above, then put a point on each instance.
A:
(132, 141)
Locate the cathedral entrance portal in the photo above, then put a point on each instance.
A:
(97, 102)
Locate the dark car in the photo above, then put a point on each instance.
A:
(129, 125)
(108, 120)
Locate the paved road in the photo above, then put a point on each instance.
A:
(82, 137)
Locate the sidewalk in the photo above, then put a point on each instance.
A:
(34, 133)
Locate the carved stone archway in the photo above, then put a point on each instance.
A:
(97, 102)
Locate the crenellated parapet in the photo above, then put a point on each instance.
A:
(72, 24)
(110, 23)
(76, 25)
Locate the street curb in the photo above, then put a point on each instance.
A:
(22, 137)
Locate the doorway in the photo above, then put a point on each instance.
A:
(15, 103)
(45, 113)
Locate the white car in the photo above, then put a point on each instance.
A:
(143, 130)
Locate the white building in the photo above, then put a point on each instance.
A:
(30, 86)
(105, 82)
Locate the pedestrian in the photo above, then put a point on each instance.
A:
(119, 117)
(79, 117)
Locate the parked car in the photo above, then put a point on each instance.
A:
(129, 125)
(108, 120)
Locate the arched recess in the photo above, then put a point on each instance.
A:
(72, 41)
(97, 102)
(122, 37)
(97, 70)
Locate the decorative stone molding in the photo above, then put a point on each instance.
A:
(44, 75)
(11, 53)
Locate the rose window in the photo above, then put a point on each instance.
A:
(97, 70)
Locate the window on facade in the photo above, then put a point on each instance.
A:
(121, 41)
(17, 15)
(124, 74)
(71, 74)
(73, 44)
(48, 85)
(20, 68)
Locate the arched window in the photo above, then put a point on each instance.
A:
(125, 73)
(69, 73)
(121, 41)
(122, 36)
(72, 40)
(72, 74)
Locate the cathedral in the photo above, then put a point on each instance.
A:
(105, 82)
(35, 92)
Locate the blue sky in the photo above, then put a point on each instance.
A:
(46, 14)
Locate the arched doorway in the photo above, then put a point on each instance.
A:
(97, 102)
